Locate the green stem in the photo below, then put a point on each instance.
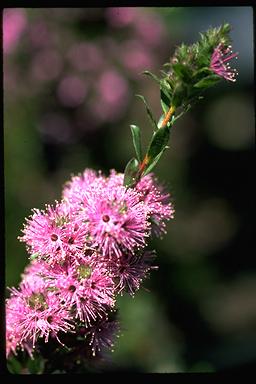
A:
(146, 159)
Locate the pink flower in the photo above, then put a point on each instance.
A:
(72, 90)
(220, 62)
(85, 56)
(130, 270)
(46, 65)
(39, 34)
(115, 179)
(55, 233)
(14, 23)
(13, 334)
(158, 203)
(113, 96)
(117, 220)
(135, 56)
(73, 190)
(151, 29)
(102, 335)
(34, 311)
(85, 287)
(112, 87)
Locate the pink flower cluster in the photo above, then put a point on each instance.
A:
(84, 251)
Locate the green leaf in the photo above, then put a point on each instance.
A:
(179, 94)
(165, 75)
(150, 74)
(208, 81)
(160, 120)
(166, 65)
(158, 143)
(154, 162)
(167, 83)
(36, 365)
(204, 69)
(165, 100)
(182, 71)
(130, 172)
(136, 137)
(149, 113)
(13, 365)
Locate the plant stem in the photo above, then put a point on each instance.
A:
(146, 159)
(168, 116)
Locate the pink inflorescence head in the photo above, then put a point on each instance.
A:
(56, 233)
(220, 62)
(84, 251)
(34, 311)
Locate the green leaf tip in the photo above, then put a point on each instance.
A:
(136, 136)
(130, 173)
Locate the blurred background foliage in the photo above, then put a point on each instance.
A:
(70, 76)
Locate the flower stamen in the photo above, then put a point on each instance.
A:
(220, 62)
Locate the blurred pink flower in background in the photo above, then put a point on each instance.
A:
(90, 74)
(121, 17)
(113, 96)
(150, 28)
(14, 23)
(46, 65)
(85, 56)
(135, 56)
(39, 34)
(112, 86)
(72, 91)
